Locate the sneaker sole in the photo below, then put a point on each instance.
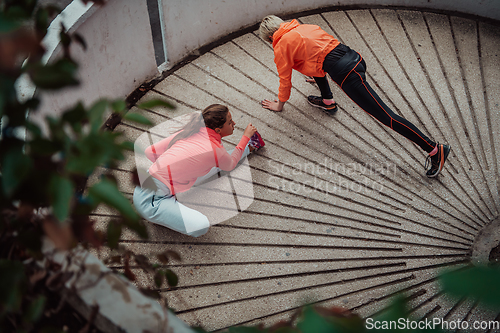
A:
(323, 108)
(445, 152)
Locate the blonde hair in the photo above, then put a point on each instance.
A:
(269, 25)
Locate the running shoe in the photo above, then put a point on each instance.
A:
(317, 102)
(437, 160)
(256, 141)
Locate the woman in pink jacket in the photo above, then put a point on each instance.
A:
(182, 159)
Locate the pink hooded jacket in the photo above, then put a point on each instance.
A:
(190, 158)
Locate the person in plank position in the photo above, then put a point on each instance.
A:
(313, 52)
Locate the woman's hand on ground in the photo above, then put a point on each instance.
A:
(249, 131)
(275, 105)
(310, 79)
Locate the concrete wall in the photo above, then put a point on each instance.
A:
(120, 54)
(194, 23)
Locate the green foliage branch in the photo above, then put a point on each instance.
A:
(44, 171)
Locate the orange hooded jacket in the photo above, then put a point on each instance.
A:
(302, 47)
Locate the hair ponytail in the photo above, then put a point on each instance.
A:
(214, 116)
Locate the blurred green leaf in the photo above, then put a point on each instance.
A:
(51, 330)
(93, 150)
(17, 12)
(64, 36)
(155, 103)
(137, 118)
(289, 330)
(22, 9)
(2, 102)
(172, 254)
(32, 103)
(198, 329)
(61, 190)
(53, 10)
(312, 322)
(41, 146)
(481, 283)
(158, 278)
(163, 258)
(107, 192)
(397, 309)
(114, 233)
(138, 227)
(7, 93)
(42, 20)
(96, 113)
(16, 115)
(16, 166)
(127, 145)
(30, 239)
(54, 76)
(56, 129)
(9, 23)
(35, 309)
(12, 285)
(33, 128)
(172, 278)
(143, 262)
(2, 199)
(118, 105)
(75, 116)
(80, 40)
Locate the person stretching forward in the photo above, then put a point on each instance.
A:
(313, 52)
(186, 158)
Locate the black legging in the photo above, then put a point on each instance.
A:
(347, 68)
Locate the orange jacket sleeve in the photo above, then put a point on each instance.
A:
(284, 67)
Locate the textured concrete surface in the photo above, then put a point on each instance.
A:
(485, 242)
(342, 214)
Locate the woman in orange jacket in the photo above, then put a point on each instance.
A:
(311, 51)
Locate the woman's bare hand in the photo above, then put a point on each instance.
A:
(250, 131)
(275, 105)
